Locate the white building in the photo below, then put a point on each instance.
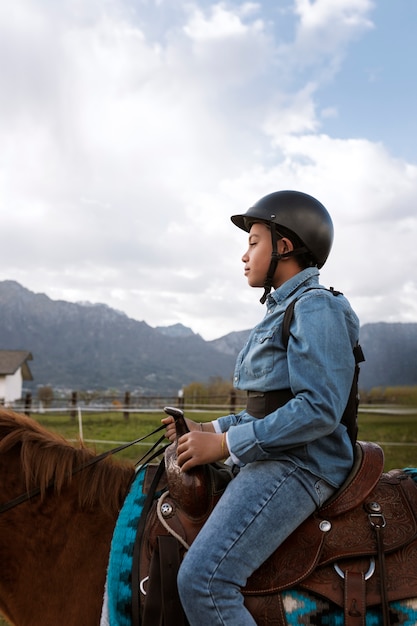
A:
(13, 371)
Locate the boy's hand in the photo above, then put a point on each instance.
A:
(199, 448)
(171, 433)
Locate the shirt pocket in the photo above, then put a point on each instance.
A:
(259, 358)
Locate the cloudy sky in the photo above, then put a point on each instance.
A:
(130, 131)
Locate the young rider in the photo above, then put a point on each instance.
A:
(292, 450)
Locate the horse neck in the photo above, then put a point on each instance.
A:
(53, 557)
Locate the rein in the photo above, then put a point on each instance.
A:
(24, 497)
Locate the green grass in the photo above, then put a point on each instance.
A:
(110, 427)
(386, 430)
(397, 435)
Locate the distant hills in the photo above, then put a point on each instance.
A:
(84, 346)
(91, 346)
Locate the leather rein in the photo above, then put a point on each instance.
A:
(28, 495)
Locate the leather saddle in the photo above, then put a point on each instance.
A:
(359, 549)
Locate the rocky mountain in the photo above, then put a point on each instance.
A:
(91, 346)
(231, 343)
(391, 355)
(85, 346)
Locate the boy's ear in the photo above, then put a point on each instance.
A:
(285, 245)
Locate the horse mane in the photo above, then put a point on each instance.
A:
(47, 459)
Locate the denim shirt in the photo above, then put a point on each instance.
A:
(317, 366)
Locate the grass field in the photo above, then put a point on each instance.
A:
(397, 434)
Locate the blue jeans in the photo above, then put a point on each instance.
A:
(259, 509)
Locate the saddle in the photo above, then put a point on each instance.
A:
(358, 550)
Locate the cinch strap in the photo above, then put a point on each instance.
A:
(259, 404)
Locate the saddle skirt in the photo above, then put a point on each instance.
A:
(338, 544)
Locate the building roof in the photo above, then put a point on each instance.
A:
(11, 360)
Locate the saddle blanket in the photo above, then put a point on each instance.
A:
(117, 600)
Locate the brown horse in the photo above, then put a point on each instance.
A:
(54, 547)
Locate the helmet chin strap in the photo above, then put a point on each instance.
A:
(275, 257)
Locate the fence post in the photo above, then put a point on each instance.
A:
(181, 398)
(232, 401)
(73, 405)
(126, 406)
(28, 403)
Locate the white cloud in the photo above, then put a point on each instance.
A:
(131, 133)
(325, 25)
(222, 24)
(324, 31)
(292, 114)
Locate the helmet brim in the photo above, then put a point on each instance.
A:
(240, 221)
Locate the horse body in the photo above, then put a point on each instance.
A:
(53, 553)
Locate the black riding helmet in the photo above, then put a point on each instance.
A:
(298, 213)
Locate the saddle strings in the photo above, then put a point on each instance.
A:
(165, 523)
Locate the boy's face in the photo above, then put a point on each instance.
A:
(258, 255)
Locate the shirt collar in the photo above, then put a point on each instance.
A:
(307, 276)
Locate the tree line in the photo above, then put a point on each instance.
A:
(217, 391)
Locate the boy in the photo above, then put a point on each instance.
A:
(289, 443)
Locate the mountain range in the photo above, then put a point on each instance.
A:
(92, 346)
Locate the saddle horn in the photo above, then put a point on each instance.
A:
(197, 489)
(180, 423)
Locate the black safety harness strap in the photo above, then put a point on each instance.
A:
(275, 257)
(349, 418)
